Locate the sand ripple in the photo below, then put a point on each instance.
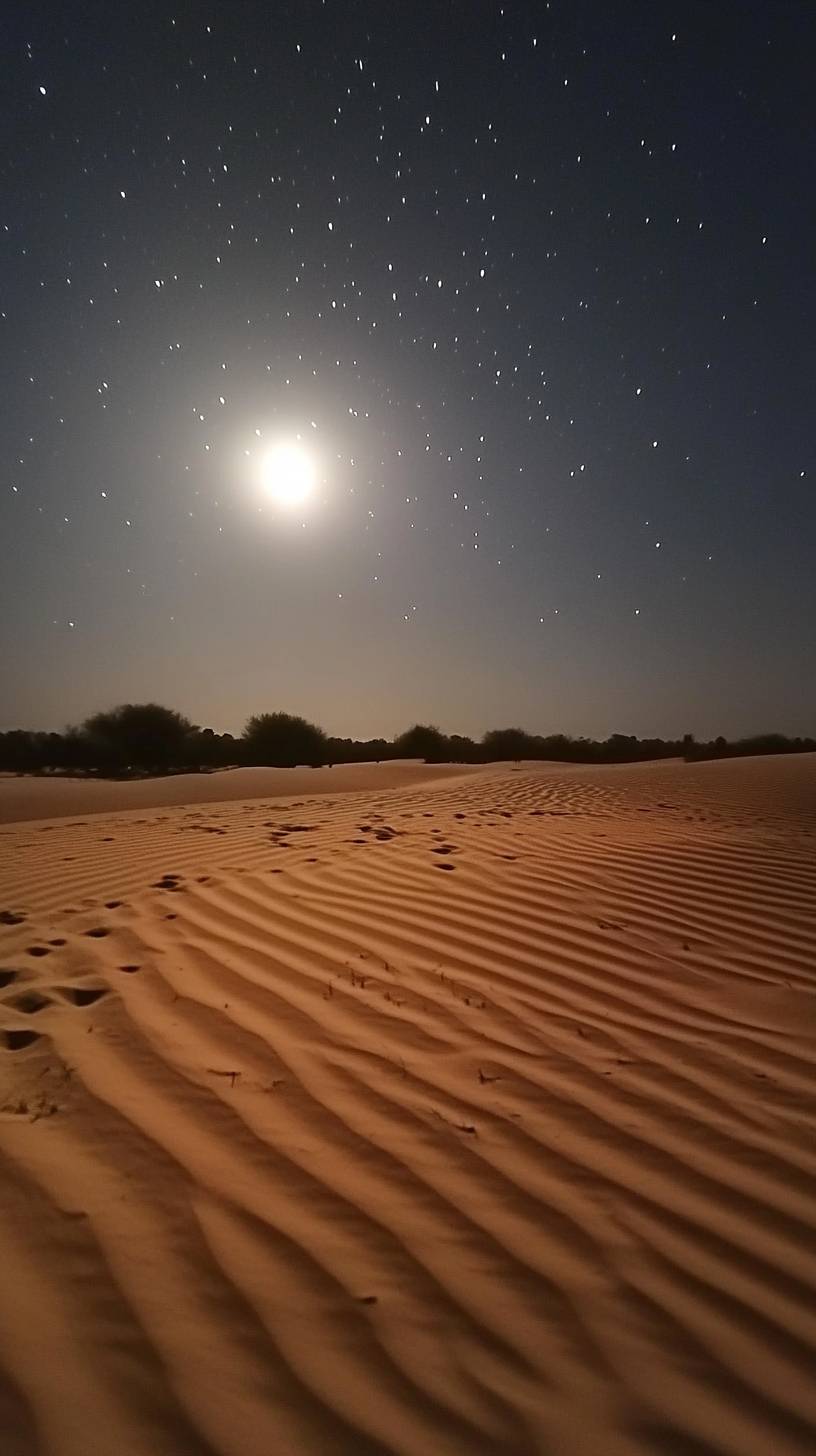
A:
(467, 1118)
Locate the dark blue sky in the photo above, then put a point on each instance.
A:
(534, 284)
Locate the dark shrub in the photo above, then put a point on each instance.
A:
(422, 741)
(502, 744)
(281, 740)
(139, 735)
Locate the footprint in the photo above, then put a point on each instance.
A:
(128, 970)
(112, 904)
(38, 950)
(445, 867)
(81, 995)
(14, 1041)
(8, 917)
(6, 977)
(29, 1002)
(60, 940)
(98, 933)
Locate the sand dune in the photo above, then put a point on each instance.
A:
(463, 1117)
(55, 796)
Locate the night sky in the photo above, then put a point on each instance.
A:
(533, 284)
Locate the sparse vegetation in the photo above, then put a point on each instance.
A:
(138, 736)
(422, 741)
(282, 740)
(146, 738)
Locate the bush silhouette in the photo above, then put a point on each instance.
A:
(138, 735)
(503, 744)
(462, 750)
(422, 741)
(282, 740)
(212, 750)
(143, 738)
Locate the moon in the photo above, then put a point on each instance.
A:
(288, 475)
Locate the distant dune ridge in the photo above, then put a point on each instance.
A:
(32, 797)
(445, 1117)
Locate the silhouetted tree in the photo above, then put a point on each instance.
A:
(619, 748)
(502, 744)
(557, 746)
(282, 740)
(21, 751)
(149, 738)
(422, 741)
(349, 750)
(462, 749)
(139, 735)
(213, 750)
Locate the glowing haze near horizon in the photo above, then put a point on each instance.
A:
(529, 286)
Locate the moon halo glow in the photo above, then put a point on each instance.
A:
(288, 475)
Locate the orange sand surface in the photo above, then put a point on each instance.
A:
(457, 1118)
(52, 797)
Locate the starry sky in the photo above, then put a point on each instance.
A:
(532, 284)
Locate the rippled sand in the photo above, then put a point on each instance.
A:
(464, 1117)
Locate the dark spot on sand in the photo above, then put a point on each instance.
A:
(30, 1002)
(16, 1040)
(8, 917)
(82, 995)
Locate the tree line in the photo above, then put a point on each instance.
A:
(146, 738)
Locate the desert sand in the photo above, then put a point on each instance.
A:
(454, 1118)
(55, 796)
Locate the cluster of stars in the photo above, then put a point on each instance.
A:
(467, 310)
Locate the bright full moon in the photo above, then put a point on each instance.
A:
(288, 475)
